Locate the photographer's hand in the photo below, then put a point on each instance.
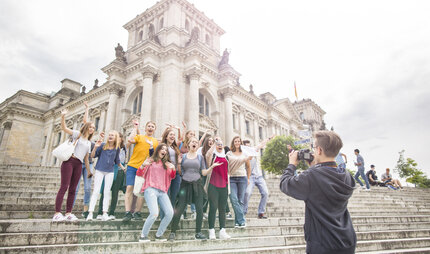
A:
(293, 158)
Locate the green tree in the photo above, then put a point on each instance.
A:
(408, 169)
(275, 156)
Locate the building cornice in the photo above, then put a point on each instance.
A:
(93, 94)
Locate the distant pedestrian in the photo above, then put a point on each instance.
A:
(360, 170)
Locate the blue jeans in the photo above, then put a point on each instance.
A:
(262, 187)
(175, 185)
(87, 185)
(237, 197)
(342, 167)
(360, 172)
(153, 198)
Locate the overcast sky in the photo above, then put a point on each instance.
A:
(366, 63)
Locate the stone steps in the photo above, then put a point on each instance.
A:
(272, 244)
(384, 220)
(44, 225)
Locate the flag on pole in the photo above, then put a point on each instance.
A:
(295, 90)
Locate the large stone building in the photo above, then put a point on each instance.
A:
(171, 71)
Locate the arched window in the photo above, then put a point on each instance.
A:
(137, 104)
(302, 116)
(160, 25)
(187, 26)
(208, 39)
(140, 35)
(203, 105)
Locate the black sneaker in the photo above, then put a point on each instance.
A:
(85, 214)
(243, 225)
(172, 237)
(137, 216)
(127, 217)
(144, 239)
(261, 216)
(236, 225)
(200, 236)
(160, 239)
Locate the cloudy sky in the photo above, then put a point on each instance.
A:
(366, 63)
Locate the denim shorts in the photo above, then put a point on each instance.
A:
(130, 175)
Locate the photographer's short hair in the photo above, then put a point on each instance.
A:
(245, 142)
(329, 142)
(357, 151)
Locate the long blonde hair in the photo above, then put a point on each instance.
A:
(116, 142)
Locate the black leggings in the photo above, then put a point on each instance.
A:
(182, 204)
(218, 200)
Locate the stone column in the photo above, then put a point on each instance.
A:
(148, 74)
(103, 108)
(4, 141)
(228, 116)
(48, 145)
(256, 133)
(242, 126)
(194, 76)
(111, 111)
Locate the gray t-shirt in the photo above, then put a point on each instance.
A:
(191, 168)
(384, 175)
(360, 160)
(82, 148)
(172, 154)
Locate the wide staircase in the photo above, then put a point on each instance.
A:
(386, 221)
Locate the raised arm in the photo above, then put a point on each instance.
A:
(296, 186)
(85, 120)
(203, 138)
(63, 122)
(133, 134)
(181, 138)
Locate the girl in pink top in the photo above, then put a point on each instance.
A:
(158, 173)
(217, 188)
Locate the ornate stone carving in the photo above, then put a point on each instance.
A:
(120, 53)
(83, 90)
(194, 38)
(251, 88)
(7, 125)
(149, 72)
(225, 58)
(114, 89)
(193, 73)
(96, 84)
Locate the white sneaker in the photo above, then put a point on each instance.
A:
(193, 216)
(112, 217)
(363, 187)
(99, 217)
(58, 217)
(90, 216)
(71, 217)
(105, 217)
(223, 235)
(366, 189)
(212, 234)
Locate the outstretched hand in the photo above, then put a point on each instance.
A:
(64, 112)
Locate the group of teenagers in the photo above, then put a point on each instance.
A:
(177, 171)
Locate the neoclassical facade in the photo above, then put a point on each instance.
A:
(171, 71)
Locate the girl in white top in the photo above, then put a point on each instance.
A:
(71, 169)
(239, 170)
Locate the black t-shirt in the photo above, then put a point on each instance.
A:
(371, 172)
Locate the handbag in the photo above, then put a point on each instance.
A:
(64, 151)
(139, 181)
